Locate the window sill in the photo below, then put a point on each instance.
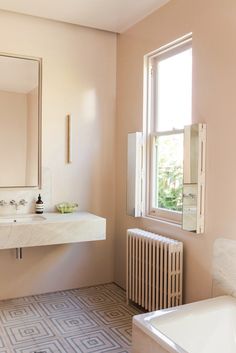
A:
(163, 221)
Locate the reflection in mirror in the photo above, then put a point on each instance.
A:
(191, 141)
(190, 192)
(20, 109)
(194, 178)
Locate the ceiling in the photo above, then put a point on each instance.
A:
(110, 15)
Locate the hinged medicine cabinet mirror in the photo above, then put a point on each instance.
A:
(20, 121)
(193, 177)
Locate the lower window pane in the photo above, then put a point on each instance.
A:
(168, 172)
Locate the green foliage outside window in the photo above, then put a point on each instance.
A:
(170, 188)
(169, 154)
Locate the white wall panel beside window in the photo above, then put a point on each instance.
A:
(134, 174)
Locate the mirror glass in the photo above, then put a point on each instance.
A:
(190, 196)
(191, 142)
(194, 178)
(190, 187)
(20, 109)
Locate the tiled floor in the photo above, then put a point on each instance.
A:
(88, 320)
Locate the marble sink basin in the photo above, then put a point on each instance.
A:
(21, 219)
(53, 228)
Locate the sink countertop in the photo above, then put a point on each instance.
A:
(50, 217)
(55, 228)
(65, 217)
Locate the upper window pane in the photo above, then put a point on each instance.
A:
(174, 91)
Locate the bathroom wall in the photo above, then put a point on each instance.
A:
(79, 77)
(214, 80)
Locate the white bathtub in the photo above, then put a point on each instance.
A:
(207, 326)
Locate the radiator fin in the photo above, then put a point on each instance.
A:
(154, 270)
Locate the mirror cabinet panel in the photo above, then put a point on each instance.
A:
(20, 121)
(194, 178)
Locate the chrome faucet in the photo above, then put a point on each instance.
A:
(22, 202)
(13, 203)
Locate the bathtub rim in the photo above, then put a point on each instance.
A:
(143, 321)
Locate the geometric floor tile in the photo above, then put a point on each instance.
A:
(47, 296)
(28, 332)
(47, 347)
(124, 332)
(113, 314)
(58, 306)
(74, 322)
(98, 341)
(87, 320)
(116, 292)
(19, 313)
(1, 343)
(95, 299)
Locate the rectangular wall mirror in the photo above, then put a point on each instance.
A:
(20, 121)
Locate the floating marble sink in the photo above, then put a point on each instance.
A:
(21, 219)
(31, 230)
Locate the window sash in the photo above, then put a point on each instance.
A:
(165, 214)
(150, 128)
(154, 81)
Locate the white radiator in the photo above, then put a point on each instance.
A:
(154, 270)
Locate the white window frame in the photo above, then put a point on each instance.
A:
(150, 129)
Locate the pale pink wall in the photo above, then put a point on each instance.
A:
(79, 77)
(214, 80)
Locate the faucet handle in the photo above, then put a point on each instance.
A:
(3, 203)
(22, 202)
(12, 202)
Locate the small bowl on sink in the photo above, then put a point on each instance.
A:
(67, 207)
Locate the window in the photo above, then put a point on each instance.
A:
(168, 109)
